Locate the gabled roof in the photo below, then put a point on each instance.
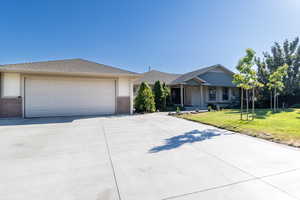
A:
(68, 66)
(195, 74)
(154, 75)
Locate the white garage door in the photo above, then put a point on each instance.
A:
(45, 96)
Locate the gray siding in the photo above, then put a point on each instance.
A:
(217, 79)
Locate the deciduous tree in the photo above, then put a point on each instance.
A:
(276, 83)
(247, 79)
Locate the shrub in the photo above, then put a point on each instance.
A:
(144, 101)
(295, 106)
(209, 108)
(159, 95)
(167, 95)
(212, 106)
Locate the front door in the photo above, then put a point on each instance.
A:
(175, 94)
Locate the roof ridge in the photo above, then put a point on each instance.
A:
(33, 62)
(154, 70)
(74, 65)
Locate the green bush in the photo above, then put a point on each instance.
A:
(144, 101)
(295, 106)
(167, 95)
(159, 96)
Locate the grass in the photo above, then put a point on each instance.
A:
(282, 127)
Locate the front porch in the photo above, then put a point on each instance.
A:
(199, 97)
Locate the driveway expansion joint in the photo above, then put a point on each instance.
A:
(111, 162)
(239, 182)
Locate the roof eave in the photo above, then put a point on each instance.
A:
(72, 73)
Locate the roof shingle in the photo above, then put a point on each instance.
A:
(68, 66)
(154, 75)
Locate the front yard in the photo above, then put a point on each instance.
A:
(283, 127)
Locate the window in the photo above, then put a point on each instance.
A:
(225, 94)
(212, 94)
(235, 93)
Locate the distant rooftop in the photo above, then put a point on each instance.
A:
(204, 75)
(154, 75)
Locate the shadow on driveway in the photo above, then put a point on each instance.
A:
(49, 120)
(189, 137)
(31, 121)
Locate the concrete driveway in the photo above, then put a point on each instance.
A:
(153, 157)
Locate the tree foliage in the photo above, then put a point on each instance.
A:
(247, 79)
(159, 95)
(144, 101)
(287, 53)
(167, 95)
(276, 83)
(276, 78)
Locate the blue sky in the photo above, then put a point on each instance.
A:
(169, 35)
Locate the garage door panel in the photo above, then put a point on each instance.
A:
(67, 96)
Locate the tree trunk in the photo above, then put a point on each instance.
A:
(253, 102)
(271, 106)
(274, 102)
(165, 102)
(247, 99)
(242, 99)
(277, 100)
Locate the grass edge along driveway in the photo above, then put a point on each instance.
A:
(282, 127)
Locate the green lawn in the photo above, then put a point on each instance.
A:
(283, 126)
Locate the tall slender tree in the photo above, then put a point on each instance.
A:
(167, 95)
(247, 80)
(242, 78)
(144, 101)
(158, 92)
(276, 83)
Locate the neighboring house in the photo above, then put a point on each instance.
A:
(209, 85)
(152, 76)
(65, 88)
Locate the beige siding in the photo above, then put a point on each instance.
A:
(187, 96)
(10, 85)
(123, 87)
(195, 96)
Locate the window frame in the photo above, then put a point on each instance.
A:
(209, 93)
(223, 93)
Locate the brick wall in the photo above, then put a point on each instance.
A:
(10, 107)
(123, 105)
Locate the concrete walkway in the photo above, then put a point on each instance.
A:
(145, 157)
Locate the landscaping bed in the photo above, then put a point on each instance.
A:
(281, 127)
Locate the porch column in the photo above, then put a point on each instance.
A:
(181, 95)
(201, 96)
(131, 96)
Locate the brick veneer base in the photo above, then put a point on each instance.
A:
(123, 105)
(10, 107)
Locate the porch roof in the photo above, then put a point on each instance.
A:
(207, 77)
